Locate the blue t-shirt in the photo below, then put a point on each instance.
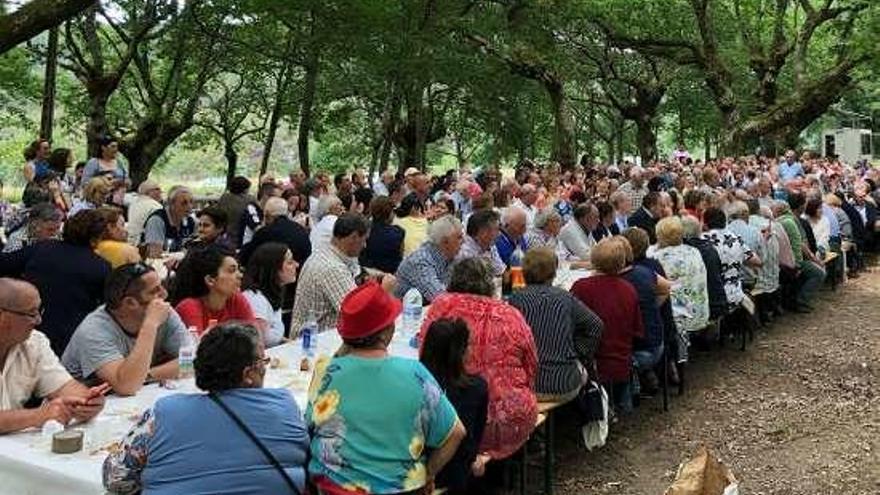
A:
(790, 171)
(506, 246)
(373, 420)
(197, 448)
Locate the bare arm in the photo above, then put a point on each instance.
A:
(127, 375)
(662, 290)
(439, 457)
(20, 419)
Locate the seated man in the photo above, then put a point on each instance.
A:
(482, 230)
(514, 223)
(330, 273)
(31, 370)
(133, 338)
(427, 268)
(576, 237)
(167, 228)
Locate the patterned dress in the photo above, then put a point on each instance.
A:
(684, 267)
(733, 253)
(502, 351)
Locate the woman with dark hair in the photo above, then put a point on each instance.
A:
(357, 447)
(206, 290)
(502, 351)
(113, 246)
(107, 162)
(211, 229)
(384, 249)
(35, 156)
(269, 270)
(297, 207)
(444, 353)
(410, 216)
(68, 274)
(175, 446)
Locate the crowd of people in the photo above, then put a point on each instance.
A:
(678, 250)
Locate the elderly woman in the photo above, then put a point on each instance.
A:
(326, 212)
(548, 223)
(616, 302)
(96, 193)
(502, 351)
(358, 447)
(566, 332)
(684, 267)
(167, 451)
(207, 290)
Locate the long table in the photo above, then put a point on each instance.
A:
(27, 465)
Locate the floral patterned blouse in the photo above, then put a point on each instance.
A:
(684, 267)
(371, 423)
(503, 352)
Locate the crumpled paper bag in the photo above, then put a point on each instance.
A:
(703, 475)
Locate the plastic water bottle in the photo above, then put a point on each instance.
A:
(412, 315)
(187, 353)
(517, 280)
(309, 335)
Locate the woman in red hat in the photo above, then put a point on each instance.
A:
(502, 350)
(373, 417)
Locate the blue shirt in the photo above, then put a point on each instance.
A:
(645, 283)
(790, 171)
(828, 212)
(506, 246)
(187, 444)
(426, 269)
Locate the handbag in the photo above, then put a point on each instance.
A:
(590, 404)
(266, 452)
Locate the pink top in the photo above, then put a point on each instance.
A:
(502, 351)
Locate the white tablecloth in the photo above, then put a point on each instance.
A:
(27, 465)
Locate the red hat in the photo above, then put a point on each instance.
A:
(366, 310)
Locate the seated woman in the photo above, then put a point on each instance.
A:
(443, 353)
(374, 418)
(211, 229)
(205, 290)
(167, 451)
(96, 193)
(653, 290)
(384, 249)
(113, 245)
(616, 302)
(502, 350)
(411, 218)
(566, 332)
(270, 269)
(684, 267)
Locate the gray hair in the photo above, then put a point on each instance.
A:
(510, 213)
(324, 205)
(545, 216)
(176, 191)
(442, 228)
(738, 209)
(690, 226)
(472, 276)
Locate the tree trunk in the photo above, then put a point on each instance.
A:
(619, 128)
(645, 138)
(563, 128)
(97, 125)
(145, 148)
(47, 117)
(707, 143)
(306, 112)
(231, 160)
(36, 16)
(274, 118)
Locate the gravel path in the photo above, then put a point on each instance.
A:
(797, 413)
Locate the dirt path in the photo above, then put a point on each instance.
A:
(797, 413)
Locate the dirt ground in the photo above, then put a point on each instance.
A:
(797, 413)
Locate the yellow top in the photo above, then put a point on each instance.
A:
(416, 232)
(117, 253)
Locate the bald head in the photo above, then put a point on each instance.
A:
(16, 293)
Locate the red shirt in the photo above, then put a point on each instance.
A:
(616, 302)
(502, 351)
(194, 313)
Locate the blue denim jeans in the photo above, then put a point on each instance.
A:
(646, 359)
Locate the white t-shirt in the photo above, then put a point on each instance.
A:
(263, 311)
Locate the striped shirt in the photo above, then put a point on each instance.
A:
(566, 333)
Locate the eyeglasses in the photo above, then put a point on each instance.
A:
(36, 315)
(263, 361)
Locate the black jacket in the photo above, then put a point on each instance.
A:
(715, 284)
(285, 231)
(643, 220)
